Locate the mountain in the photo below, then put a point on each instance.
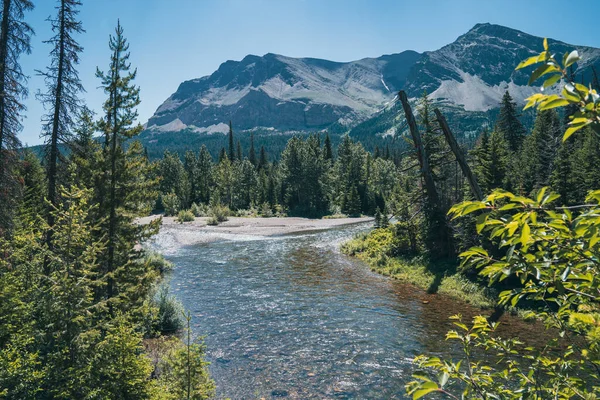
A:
(284, 93)
(275, 94)
(475, 70)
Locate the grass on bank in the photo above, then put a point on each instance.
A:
(377, 249)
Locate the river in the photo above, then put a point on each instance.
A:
(292, 317)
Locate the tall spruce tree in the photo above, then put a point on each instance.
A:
(540, 149)
(190, 162)
(327, 149)
(508, 123)
(231, 144)
(126, 177)
(15, 36)
(252, 152)
(63, 89)
(85, 151)
(263, 161)
(205, 175)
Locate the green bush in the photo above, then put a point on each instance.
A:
(201, 210)
(169, 315)
(212, 221)
(266, 211)
(218, 214)
(157, 262)
(185, 216)
(170, 203)
(249, 213)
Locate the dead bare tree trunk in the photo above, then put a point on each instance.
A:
(438, 233)
(421, 153)
(460, 157)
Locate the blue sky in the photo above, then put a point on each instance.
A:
(175, 40)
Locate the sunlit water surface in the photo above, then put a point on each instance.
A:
(290, 316)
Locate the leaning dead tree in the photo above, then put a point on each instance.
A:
(460, 157)
(438, 233)
(422, 155)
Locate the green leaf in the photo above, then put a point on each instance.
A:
(525, 234)
(480, 222)
(528, 62)
(572, 58)
(444, 379)
(426, 388)
(553, 103)
(552, 80)
(541, 71)
(574, 128)
(540, 194)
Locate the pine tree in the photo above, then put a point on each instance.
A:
(239, 151)
(66, 304)
(192, 175)
(352, 205)
(85, 157)
(34, 187)
(185, 372)
(543, 144)
(15, 37)
(205, 175)
(222, 154)
(508, 123)
(561, 177)
(244, 185)
(119, 368)
(378, 218)
(263, 162)
(64, 86)
(252, 152)
(126, 184)
(481, 161)
(224, 182)
(231, 148)
(328, 151)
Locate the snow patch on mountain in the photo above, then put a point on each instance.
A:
(173, 126)
(212, 129)
(476, 95)
(386, 86)
(223, 96)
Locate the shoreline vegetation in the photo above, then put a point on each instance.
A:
(375, 248)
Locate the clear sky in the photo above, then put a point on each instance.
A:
(176, 40)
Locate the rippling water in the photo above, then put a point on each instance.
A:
(291, 317)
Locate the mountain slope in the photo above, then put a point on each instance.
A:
(475, 70)
(278, 94)
(284, 93)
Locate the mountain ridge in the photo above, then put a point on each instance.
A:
(277, 93)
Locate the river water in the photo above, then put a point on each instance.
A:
(292, 317)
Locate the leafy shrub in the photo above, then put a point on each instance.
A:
(171, 204)
(185, 216)
(218, 214)
(251, 212)
(184, 371)
(266, 211)
(280, 211)
(201, 210)
(212, 221)
(169, 315)
(157, 262)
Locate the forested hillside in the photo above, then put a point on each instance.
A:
(80, 301)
